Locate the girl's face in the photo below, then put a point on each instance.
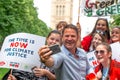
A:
(101, 25)
(96, 40)
(60, 28)
(102, 54)
(115, 34)
(53, 39)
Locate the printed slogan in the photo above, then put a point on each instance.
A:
(18, 47)
(20, 51)
(100, 7)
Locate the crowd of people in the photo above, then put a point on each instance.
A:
(91, 58)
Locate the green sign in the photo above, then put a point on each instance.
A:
(103, 8)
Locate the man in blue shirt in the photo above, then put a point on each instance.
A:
(71, 63)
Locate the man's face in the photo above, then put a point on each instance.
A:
(70, 38)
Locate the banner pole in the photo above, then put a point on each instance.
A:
(11, 71)
(79, 11)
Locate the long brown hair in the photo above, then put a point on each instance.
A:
(107, 31)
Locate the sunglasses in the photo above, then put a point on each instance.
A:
(100, 51)
(100, 32)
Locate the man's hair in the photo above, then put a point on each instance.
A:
(71, 26)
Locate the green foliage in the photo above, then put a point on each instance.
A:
(20, 16)
(115, 21)
(3, 72)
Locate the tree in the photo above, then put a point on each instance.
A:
(20, 16)
(115, 20)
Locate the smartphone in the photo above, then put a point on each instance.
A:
(55, 48)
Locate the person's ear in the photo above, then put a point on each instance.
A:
(110, 54)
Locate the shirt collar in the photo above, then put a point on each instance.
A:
(66, 51)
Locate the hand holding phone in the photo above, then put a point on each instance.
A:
(55, 48)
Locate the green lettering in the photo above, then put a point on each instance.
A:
(102, 4)
(88, 12)
(107, 11)
(99, 12)
(113, 9)
(118, 8)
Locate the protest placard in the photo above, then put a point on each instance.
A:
(98, 8)
(115, 51)
(20, 51)
(92, 59)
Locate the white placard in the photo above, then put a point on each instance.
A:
(92, 59)
(20, 51)
(115, 51)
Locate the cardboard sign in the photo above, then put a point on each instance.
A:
(115, 51)
(20, 51)
(92, 59)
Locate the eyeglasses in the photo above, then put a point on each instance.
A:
(100, 51)
(100, 32)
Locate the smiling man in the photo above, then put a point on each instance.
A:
(71, 63)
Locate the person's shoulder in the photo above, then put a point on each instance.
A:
(85, 43)
(97, 68)
(115, 43)
(91, 52)
(116, 64)
(82, 52)
(87, 37)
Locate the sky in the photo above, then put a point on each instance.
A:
(44, 12)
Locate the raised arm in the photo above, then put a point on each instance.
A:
(45, 56)
(79, 35)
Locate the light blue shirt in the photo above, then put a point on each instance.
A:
(105, 73)
(67, 67)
